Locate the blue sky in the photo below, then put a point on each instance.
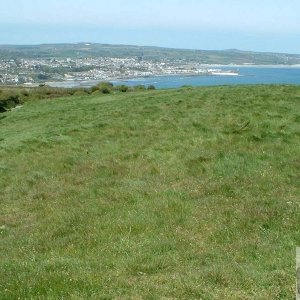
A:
(263, 25)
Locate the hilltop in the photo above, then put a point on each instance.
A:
(190, 193)
(79, 50)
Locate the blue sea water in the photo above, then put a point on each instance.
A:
(248, 75)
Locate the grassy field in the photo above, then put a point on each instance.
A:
(173, 194)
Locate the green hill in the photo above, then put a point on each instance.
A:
(190, 193)
(230, 56)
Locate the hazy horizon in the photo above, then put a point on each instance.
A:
(203, 25)
(138, 45)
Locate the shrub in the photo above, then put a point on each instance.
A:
(25, 93)
(105, 90)
(2, 108)
(105, 87)
(79, 93)
(140, 87)
(97, 92)
(9, 100)
(94, 88)
(151, 87)
(87, 91)
(123, 88)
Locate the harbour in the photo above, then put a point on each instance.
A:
(220, 76)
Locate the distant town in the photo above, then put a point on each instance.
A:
(31, 71)
(41, 64)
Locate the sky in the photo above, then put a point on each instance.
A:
(259, 25)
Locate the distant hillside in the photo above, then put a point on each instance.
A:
(231, 56)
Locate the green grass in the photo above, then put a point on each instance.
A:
(178, 194)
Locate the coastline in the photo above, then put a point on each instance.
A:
(124, 79)
(90, 83)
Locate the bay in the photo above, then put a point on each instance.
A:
(247, 75)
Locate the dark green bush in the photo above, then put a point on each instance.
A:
(87, 91)
(9, 99)
(105, 90)
(122, 88)
(13, 96)
(103, 87)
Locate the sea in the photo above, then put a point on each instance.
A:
(247, 75)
